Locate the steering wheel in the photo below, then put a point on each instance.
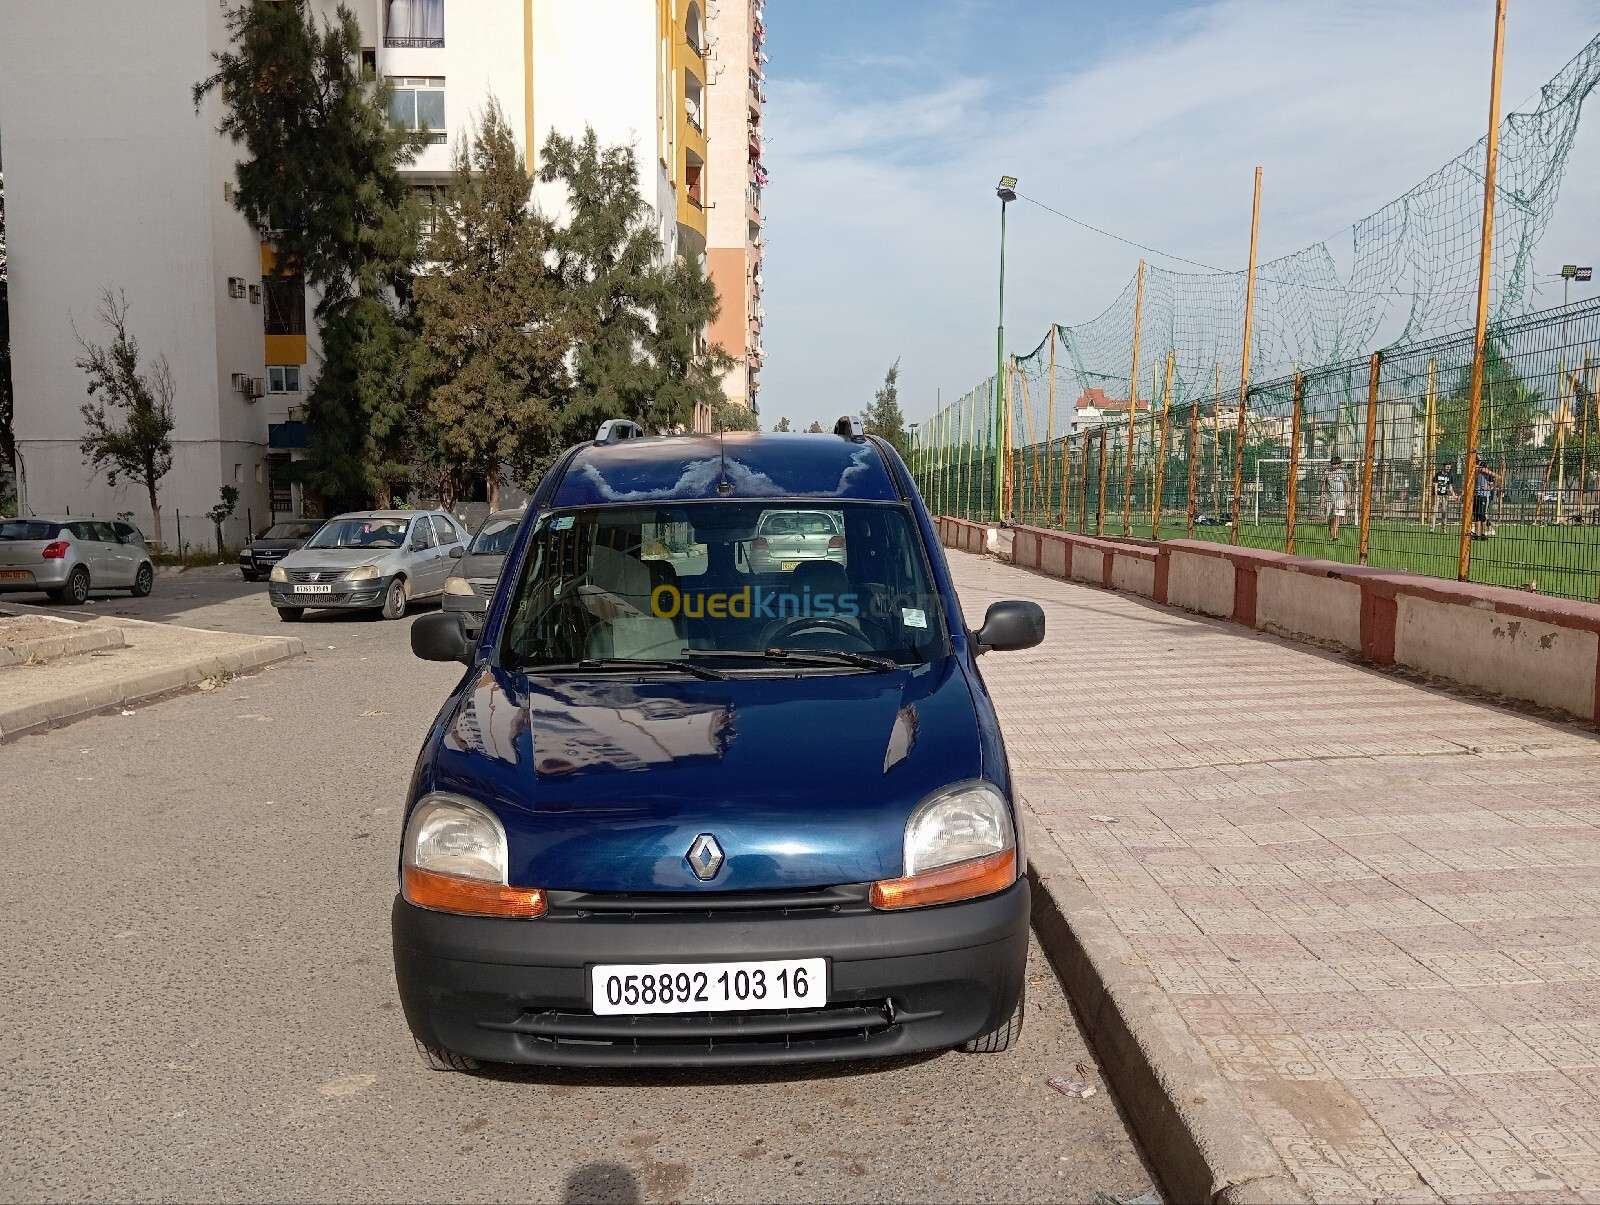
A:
(816, 623)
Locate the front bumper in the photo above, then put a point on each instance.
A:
(517, 991)
(345, 594)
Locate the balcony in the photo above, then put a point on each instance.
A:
(401, 43)
(752, 196)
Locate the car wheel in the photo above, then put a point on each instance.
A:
(444, 1060)
(143, 582)
(75, 592)
(1000, 1039)
(394, 602)
(249, 577)
(291, 614)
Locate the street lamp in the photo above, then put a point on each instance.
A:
(1570, 273)
(1006, 190)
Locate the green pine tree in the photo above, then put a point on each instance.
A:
(493, 326)
(815, 428)
(321, 173)
(783, 425)
(640, 350)
(883, 417)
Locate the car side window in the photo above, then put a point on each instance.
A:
(422, 533)
(82, 531)
(446, 530)
(107, 534)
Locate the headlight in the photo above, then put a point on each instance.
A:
(459, 586)
(362, 573)
(454, 859)
(245, 554)
(278, 574)
(959, 844)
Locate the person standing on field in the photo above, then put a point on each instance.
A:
(1444, 489)
(1487, 481)
(1335, 495)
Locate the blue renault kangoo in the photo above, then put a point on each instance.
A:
(722, 782)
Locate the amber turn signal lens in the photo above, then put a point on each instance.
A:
(452, 893)
(961, 881)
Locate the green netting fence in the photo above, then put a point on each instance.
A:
(1098, 431)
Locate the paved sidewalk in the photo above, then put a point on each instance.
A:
(1376, 905)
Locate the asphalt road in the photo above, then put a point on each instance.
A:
(198, 1003)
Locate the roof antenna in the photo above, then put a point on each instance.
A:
(724, 486)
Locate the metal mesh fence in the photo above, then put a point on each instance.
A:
(1360, 461)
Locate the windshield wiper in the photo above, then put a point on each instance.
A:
(802, 656)
(703, 672)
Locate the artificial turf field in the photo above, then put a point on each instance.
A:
(1560, 560)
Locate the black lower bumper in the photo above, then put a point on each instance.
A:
(511, 991)
(368, 593)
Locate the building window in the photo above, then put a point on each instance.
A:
(283, 378)
(693, 172)
(418, 104)
(415, 24)
(430, 204)
(285, 311)
(369, 62)
(691, 28)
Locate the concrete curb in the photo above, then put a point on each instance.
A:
(29, 717)
(1197, 1134)
(83, 640)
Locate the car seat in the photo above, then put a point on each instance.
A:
(618, 595)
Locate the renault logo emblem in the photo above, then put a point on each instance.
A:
(705, 857)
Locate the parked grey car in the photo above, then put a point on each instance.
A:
(785, 538)
(471, 586)
(368, 559)
(67, 558)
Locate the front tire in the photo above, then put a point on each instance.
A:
(444, 1060)
(143, 582)
(394, 602)
(76, 592)
(1000, 1039)
(291, 614)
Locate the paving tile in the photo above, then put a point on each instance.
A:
(1376, 905)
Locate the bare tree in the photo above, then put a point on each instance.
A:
(129, 414)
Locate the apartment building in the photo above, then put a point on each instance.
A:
(736, 65)
(115, 180)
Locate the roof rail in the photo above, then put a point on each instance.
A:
(849, 426)
(615, 430)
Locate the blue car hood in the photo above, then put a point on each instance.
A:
(602, 785)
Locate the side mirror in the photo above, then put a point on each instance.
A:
(441, 636)
(457, 552)
(1006, 626)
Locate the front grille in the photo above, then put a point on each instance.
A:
(316, 575)
(841, 1022)
(484, 589)
(850, 898)
(267, 554)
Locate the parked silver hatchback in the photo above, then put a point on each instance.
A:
(374, 559)
(67, 558)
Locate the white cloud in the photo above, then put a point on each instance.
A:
(882, 223)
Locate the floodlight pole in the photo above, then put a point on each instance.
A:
(1480, 336)
(1006, 191)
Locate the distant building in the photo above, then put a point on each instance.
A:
(737, 176)
(116, 181)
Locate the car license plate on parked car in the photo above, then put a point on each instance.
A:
(313, 589)
(13, 575)
(788, 565)
(709, 987)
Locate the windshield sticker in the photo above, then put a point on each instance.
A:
(562, 522)
(913, 618)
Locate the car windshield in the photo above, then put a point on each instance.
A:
(665, 583)
(28, 529)
(494, 537)
(360, 533)
(286, 531)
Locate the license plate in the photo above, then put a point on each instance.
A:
(13, 575)
(313, 589)
(788, 565)
(708, 987)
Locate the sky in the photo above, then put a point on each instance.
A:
(889, 123)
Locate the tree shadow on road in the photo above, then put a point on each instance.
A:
(602, 1183)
